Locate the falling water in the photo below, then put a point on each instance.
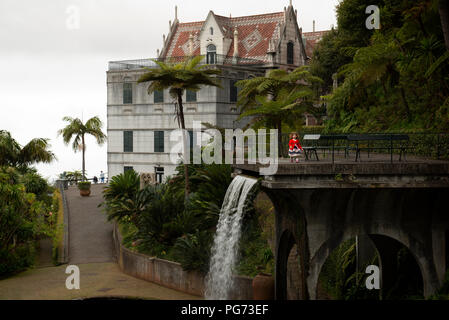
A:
(219, 280)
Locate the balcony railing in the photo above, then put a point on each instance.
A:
(215, 59)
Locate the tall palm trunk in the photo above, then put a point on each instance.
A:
(443, 8)
(184, 142)
(84, 159)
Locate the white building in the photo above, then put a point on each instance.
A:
(139, 124)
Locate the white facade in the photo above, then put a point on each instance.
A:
(143, 117)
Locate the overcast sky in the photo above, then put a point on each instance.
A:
(53, 65)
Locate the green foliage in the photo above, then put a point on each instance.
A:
(77, 130)
(84, 185)
(179, 77)
(34, 183)
(14, 155)
(390, 79)
(340, 278)
(57, 220)
(193, 250)
(279, 98)
(23, 219)
(258, 238)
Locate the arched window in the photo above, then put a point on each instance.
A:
(290, 51)
(211, 54)
(211, 31)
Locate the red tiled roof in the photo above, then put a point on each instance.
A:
(312, 40)
(255, 33)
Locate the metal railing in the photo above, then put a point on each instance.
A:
(425, 145)
(215, 59)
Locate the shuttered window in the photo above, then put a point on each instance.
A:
(158, 141)
(190, 96)
(158, 96)
(126, 168)
(127, 93)
(127, 141)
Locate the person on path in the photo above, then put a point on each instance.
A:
(102, 177)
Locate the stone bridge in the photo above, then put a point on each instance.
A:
(319, 205)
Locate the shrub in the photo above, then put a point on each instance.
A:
(84, 185)
(193, 251)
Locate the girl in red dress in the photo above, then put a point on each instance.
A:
(295, 149)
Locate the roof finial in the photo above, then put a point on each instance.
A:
(291, 3)
(176, 12)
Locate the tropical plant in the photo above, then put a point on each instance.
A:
(23, 219)
(193, 251)
(14, 155)
(77, 130)
(277, 98)
(179, 77)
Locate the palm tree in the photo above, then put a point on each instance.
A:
(77, 129)
(179, 77)
(281, 88)
(14, 155)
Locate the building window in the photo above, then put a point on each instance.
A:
(159, 174)
(233, 91)
(158, 96)
(211, 31)
(158, 141)
(127, 141)
(190, 96)
(127, 93)
(290, 53)
(211, 54)
(127, 168)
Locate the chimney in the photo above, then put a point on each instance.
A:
(236, 42)
(191, 44)
(313, 25)
(291, 5)
(163, 37)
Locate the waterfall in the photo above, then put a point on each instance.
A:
(219, 279)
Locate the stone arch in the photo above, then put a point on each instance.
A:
(286, 243)
(322, 254)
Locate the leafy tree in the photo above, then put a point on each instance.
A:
(77, 130)
(14, 155)
(178, 78)
(279, 97)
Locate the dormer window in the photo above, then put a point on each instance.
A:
(211, 31)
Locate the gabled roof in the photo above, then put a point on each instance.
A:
(254, 33)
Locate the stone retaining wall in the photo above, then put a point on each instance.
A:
(170, 274)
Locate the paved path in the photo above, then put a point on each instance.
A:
(96, 280)
(90, 234)
(91, 249)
